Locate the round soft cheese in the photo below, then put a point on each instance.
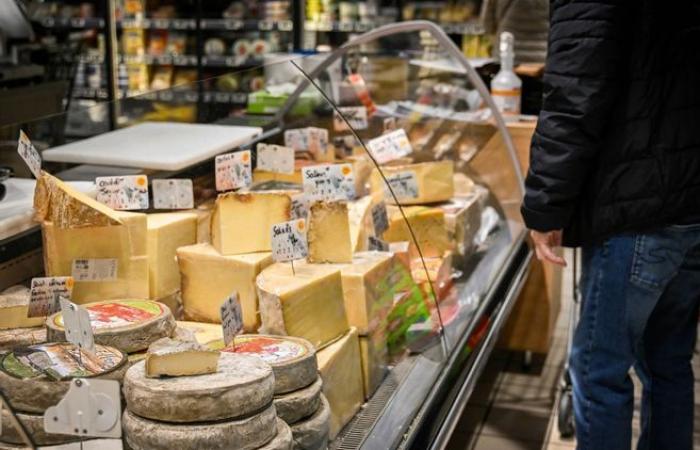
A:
(299, 405)
(38, 376)
(244, 434)
(292, 359)
(129, 325)
(312, 433)
(20, 337)
(34, 424)
(242, 385)
(283, 439)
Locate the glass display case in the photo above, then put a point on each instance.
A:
(389, 157)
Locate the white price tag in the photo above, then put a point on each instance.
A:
(314, 140)
(233, 171)
(380, 218)
(231, 317)
(300, 206)
(390, 146)
(289, 240)
(275, 158)
(404, 185)
(296, 138)
(356, 116)
(44, 293)
(389, 124)
(76, 321)
(96, 269)
(377, 244)
(173, 193)
(328, 182)
(123, 192)
(31, 157)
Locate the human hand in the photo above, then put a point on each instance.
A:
(545, 243)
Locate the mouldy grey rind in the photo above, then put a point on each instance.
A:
(34, 424)
(298, 405)
(283, 439)
(20, 337)
(312, 434)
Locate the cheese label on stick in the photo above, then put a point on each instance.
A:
(275, 158)
(289, 241)
(77, 325)
(123, 192)
(95, 269)
(233, 171)
(44, 292)
(231, 317)
(329, 182)
(28, 152)
(300, 206)
(173, 193)
(380, 218)
(356, 116)
(403, 184)
(390, 146)
(377, 244)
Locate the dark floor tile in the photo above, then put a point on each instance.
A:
(520, 423)
(546, 376)
(530, 396)
(500, 443)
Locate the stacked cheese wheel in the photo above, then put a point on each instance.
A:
(16, 329)
(298, 398)
(231, 408)
(38, 376)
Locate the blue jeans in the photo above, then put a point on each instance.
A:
(640, 297)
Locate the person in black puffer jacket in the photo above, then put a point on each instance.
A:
(615, 168)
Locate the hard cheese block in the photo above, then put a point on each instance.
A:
(314, 432)
(361, 224)
(427, 182)
(435, 271)
(175, 358)
(77, 228)
(208, 278)
(304, 301)
(373, 352)
(203, 333)
(299, 405)
(167, 232)
(427, 224)
(241, 222)
(13, 309)
(329, 233)
(341, 371)
(204, 213)
(462, 220)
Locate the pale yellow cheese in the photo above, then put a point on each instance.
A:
(177, 358)
(208, 278)
(428, 225)
(341, 370)
(329, 233)
(462, 221)
(204, 333)
(242, 222)
(204, 213)
(373, 353)
(361, 225)
(362, 169)
(261, 176)
(13, 309)
(304, 301)
(167, 232)
(434, 181)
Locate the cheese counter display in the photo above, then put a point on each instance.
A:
(329, 276)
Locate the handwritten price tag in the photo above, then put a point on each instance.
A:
(275, 158)
(31, 157)
(328, 182)
(377, 244)
(390, 146)
(380, 218)
(173, 193)
(289, 240)
(403, 184)
(123, 192)
(76, 321)
(97, 269)
(300, 206)
(44, 292)
(231, 317)
(356, 116)
(233, 171)
(314, 140)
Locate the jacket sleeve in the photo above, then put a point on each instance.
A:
(585, 50)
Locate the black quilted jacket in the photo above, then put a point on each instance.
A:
(617, 145)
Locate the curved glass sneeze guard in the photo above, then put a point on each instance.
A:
(417, 130)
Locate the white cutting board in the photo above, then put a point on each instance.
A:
(154, 145)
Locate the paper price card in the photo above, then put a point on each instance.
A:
(390, 146)
(328, 182)
(233, 171)
(314, 140)
(44, 294)
(289, 240)
(97, 269)
(356, 116)
(28, 152)
(380, 218)
(275, 158)
(173, 193)
(300, 206)
(123, 192)
(231, 317)
(76, 322)
(403, 184)
(389, 124)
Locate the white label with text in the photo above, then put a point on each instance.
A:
(231, 317)
(356, 116)
(233, 171)
(328, 182)
(123, 192)
(380, 218)
(29, 154)
(275, 158)
(96, 269)
(76, 322)
(403, 184)
(173, 193)
(390, 146)
(44, 292)
(314, 140)
(300, 206)
(289, 240)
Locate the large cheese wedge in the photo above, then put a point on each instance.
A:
(241, 222)
(20, 337)
(204, 333)
(341, 370)
(428, 225)
(242, 386)
(167, 232)
(129, 325)
(245, 434)
(329, 233)
(313, 433)
(177, 358)
(427, 182)
(361, 224)
(34, 425)
(304, 301)
(299, 405)
(462, 221)
(208, 278)
(14, 302)
(31, 390)
(374, 354)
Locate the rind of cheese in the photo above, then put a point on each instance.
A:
(341, 370)
(374, 363)
(204, 333)
(243, 385)
(313, 433)
(14, 302)
(249, 433)
(241, 222)
(305, 301)
(166, 233)
(361, 224)
(21, 337)
(208, 278)
(428, 225)
(434, 179)
(282, 440)
(204, 213)
(298, 405)
(329, 233)
(34, 425)
(176, 358)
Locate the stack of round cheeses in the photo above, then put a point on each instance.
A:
(230, 409)
(38, 376)
(298, 396)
